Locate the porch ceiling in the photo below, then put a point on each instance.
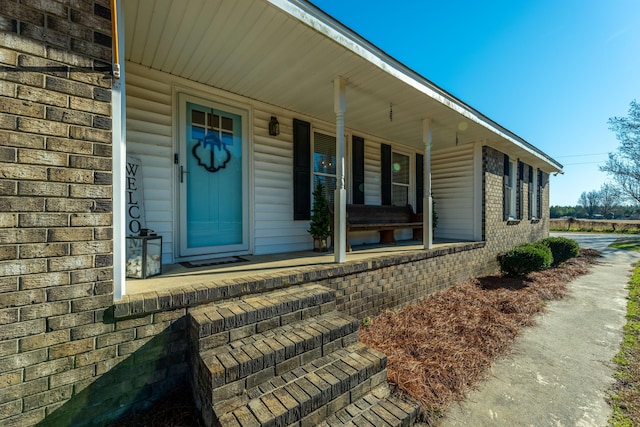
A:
(288, 54)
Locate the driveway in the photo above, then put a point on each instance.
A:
(560, 370)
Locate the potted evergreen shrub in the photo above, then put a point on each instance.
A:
(319, 226)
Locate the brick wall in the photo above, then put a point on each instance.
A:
(502, 235)
(66, 358)
(63, 359)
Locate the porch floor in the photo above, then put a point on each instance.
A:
(176, 275)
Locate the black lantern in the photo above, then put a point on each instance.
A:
(274, 126)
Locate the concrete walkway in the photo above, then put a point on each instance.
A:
(560, 370)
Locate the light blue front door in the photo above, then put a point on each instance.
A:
(212, 182)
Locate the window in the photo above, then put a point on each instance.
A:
(531, 205)
(520, 191)
(509, 180)
(399, 179)
(324, 163)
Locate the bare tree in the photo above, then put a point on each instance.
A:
(609, 197)
(624, 165)
(590, 201)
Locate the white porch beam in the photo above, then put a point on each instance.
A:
(340, 194)
(427, 201)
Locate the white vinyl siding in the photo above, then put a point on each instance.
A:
(275, 230)
(150, 138)
(452, 189)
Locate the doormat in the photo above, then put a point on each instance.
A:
(214, 261)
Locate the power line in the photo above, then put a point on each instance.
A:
(579, 155)
(583, 163)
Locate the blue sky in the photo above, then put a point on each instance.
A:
(551, 71)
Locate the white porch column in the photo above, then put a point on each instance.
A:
(118, 138)
(427, 201)
(340, 195)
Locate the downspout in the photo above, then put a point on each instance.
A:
(114, 38)
(118, 135)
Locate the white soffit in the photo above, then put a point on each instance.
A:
(287, 53)
(318, 20)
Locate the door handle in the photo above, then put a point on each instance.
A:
(182, 172)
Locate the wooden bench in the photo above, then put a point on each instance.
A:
(385, 219)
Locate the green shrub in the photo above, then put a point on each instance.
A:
(526, 258)
(562, 248)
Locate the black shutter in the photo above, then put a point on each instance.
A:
(301, 169)
(419, 182)
(357, 168)
(385, 174)
(530, 194)
(505, 181)
(520, 171)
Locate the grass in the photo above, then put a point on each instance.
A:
(627, 243)
(625, 395)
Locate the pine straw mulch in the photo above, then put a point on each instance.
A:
(440, 348)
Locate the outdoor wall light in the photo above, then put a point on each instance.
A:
(274, 126)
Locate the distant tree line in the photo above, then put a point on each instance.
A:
(607, 203)
(578, 211)
(620, 199)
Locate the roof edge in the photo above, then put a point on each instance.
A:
(311, 15)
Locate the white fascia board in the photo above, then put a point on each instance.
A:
(313, 17)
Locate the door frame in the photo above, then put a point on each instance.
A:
(182, 97)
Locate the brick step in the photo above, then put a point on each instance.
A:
(308, 394)
(378, 408)
(214, 325)
(245, 363)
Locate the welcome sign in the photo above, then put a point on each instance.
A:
(134, 197)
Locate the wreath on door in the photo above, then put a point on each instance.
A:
(218, 157)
